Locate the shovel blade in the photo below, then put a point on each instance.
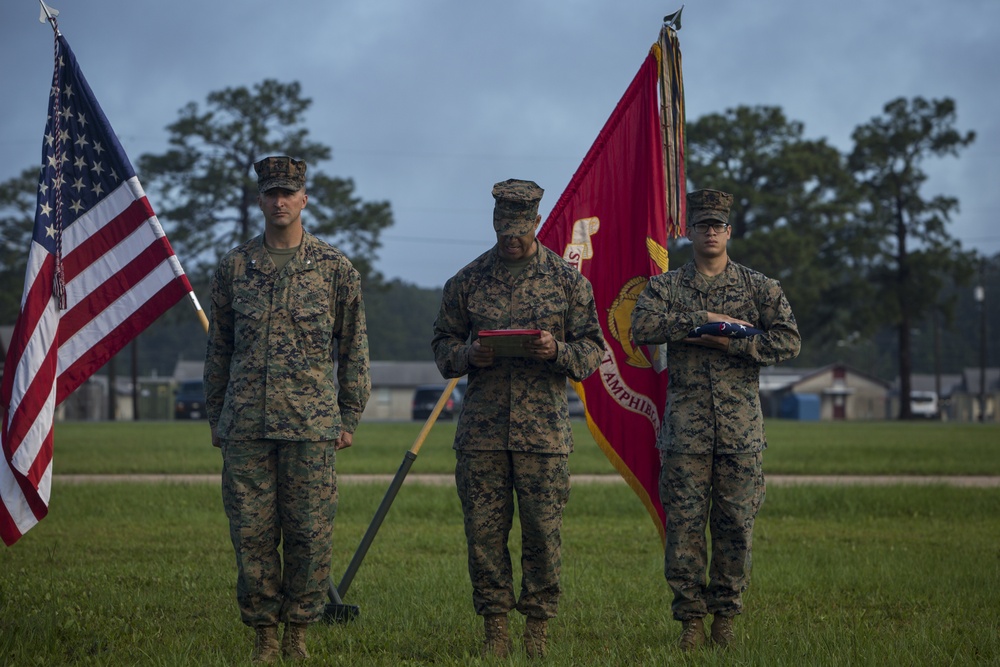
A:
(340, 613)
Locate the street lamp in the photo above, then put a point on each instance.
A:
(979, 294)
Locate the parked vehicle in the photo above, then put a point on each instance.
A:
(426, 396)
(924, 404)
(189, 400)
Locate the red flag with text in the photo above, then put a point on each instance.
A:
(100, 270)
(611, 223)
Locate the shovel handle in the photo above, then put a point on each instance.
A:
(432, 417)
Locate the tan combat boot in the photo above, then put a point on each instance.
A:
(536, 637)
(265, 645)
(692, 634)
(497, 642)
(722, 630)
(293, 642)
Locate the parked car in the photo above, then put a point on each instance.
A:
(189, 400)
(426, 396)
(924, 404)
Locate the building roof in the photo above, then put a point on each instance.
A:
(384, 373)
(776, 378)
(188, 370)
(971, 379)
(779, 378)
(928, 382)
(404, 373)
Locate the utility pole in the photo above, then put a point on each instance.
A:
(979, 294)
(135, 378)
(936, 324)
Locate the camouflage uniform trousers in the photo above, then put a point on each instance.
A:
(280, 492)
(724, 491)
(487, 482)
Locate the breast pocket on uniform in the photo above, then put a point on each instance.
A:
(249, 308)
(486, 314)
(310, 314)
(549, 316)
(248, 303)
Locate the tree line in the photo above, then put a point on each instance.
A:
(863, 252)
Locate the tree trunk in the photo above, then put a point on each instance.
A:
(902, 282)
(905, 368)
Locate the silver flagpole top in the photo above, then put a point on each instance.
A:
(48, 15)
(670, 20)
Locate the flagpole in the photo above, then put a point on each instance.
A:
(197, 307)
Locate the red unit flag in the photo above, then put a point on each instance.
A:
(611, 223)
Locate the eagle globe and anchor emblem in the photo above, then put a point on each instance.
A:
(619, 323)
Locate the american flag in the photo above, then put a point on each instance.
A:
(100, 270)
(727, 329)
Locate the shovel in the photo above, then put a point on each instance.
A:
(336, 611)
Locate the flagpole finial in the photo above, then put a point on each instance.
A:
(48, 15)
(670, 20)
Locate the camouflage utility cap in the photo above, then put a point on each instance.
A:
(708, 205)
(280, 172)
(516, 208)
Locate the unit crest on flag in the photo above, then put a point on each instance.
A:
(620, 321)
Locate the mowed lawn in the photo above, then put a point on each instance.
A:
(809, 448)
(143, 574)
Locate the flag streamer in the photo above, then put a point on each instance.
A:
(672, 119)
(100, 270)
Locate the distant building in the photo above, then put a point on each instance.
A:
(844, 393)
(831, 393)
(965, 396)
(393, 383)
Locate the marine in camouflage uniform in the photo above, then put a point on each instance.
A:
(514, 432)
(712, 437)
(287, 321)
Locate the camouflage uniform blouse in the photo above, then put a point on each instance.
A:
(713, 400)
(518, 404)
(275, 339)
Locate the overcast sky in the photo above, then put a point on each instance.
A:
(427, 103)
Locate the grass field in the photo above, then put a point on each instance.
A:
(134, 574)
(864, 448)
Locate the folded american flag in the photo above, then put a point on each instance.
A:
(728, 329)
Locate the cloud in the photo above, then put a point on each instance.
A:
(427, 104)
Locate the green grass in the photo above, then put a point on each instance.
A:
(132, 574)
(136, 574)
(865, 448)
